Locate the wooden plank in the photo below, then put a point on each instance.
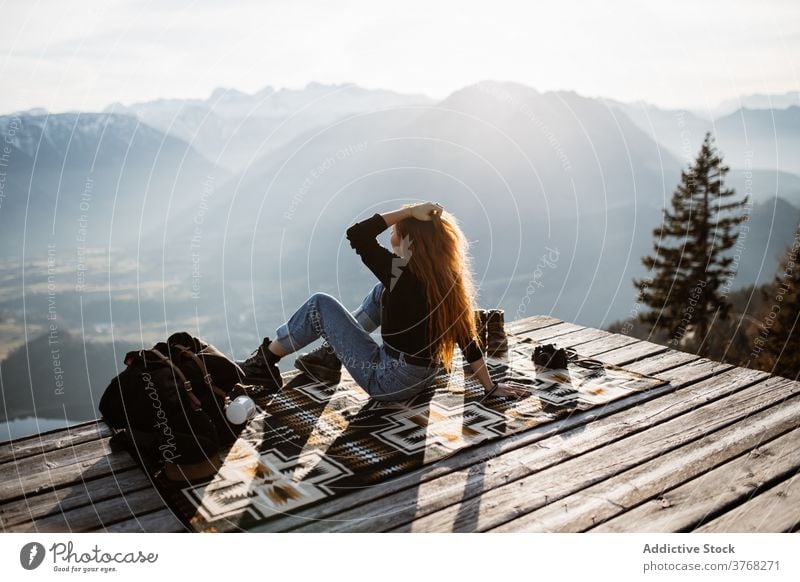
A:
(775, 510)
(552, 331)
(93, 516)
(514, 463)
(73, 496)
(566, 341)
(41, 473)
(550, 475)
(606, 344)
(694, 372)
(631, 353)
(663, 361)
(161, 521)
(15, 450)
(584, 508)
(698, 369)
(530, 323)
(578, 337)
(682, 508)
(622, 349)
(587, 341)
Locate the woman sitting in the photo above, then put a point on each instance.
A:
(423, 303)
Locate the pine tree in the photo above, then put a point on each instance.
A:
(776, 341)
(689, 265)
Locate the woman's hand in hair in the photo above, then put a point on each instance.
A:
(426, 211)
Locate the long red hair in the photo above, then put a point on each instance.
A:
(439, 257)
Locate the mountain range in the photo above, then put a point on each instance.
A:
(235, 129)
(760, 139)
(221, 215)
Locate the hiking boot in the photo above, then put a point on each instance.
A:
(496, 341)
(323, 365)
(259, 370)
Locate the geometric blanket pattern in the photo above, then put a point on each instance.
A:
(312, 441)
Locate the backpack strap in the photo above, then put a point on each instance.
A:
(187, 385)
(202, 366)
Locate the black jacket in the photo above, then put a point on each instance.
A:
(404, 323)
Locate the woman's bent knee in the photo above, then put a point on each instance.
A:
(322, 297)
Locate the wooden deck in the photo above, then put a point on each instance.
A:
(715, 450)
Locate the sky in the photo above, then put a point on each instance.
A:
(74, 55)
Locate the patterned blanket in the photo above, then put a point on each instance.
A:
(311, 441)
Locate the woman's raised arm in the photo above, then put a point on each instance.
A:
(424, 211)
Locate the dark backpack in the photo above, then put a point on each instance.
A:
(170, 401)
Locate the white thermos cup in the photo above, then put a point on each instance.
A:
(241, 409)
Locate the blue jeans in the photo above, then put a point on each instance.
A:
(382, 375)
